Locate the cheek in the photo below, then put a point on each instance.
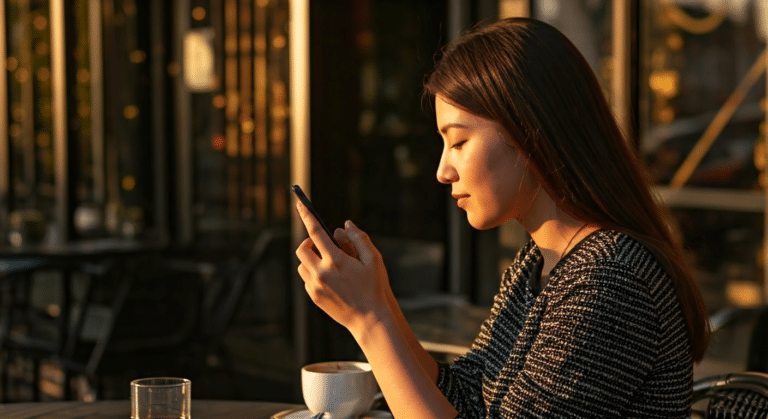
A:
(514, 186)
(509, 174)
(494, 185)
(527, 185)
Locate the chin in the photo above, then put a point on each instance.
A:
(479, 223)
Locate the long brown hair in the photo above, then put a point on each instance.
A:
(528, 77)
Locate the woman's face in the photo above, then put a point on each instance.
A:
(488, 177)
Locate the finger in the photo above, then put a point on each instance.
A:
(313, 288)
(304, 273)
(365, 248)
(309, 288)
(306, 253)
(316, 231)
(345, 243)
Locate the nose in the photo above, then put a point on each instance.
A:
(446, 173)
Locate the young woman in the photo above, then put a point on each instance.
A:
(597, 316)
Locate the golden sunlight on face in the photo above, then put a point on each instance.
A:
(488, 178)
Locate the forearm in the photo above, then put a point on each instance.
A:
(426, 360)
(404, 375)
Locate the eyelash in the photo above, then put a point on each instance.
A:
(458, 145)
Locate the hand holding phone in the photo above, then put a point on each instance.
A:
(304, 200)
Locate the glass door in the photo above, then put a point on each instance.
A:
(702, 125)
(233, 123)
(79, 158)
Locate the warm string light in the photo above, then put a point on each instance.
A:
(255, 102)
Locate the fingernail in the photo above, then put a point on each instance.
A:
(349, 224)
(298, 206)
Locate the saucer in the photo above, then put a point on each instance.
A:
(306, 414)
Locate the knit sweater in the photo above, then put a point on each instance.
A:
(604, 338)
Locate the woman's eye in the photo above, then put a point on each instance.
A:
(458, 145)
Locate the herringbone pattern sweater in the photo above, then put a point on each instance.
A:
(604, 338)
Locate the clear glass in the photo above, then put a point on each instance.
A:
(588, 24)
(32, 180)
(701, 85)
(129, 178)
(701, 117)
(111, 181)
(241, 121)
(161, 398)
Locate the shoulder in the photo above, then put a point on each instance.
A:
(612, 250)
(611, 260)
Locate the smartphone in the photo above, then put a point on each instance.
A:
(304, 200)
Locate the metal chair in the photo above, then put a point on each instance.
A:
(735, 395)
(147, 327)
(137, 312)
(226, 296)
(222, 302)
(28, 333)
(191, 343)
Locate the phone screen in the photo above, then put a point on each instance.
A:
(303, 198)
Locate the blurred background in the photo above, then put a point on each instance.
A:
(147, 149)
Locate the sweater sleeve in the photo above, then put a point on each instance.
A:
(462, 381)
(596, 343)
(462, 389)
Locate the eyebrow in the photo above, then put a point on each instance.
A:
(444, 129)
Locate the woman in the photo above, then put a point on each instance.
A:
(598, 315)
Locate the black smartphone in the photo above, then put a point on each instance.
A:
(303, 198)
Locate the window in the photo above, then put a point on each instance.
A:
(702, 132)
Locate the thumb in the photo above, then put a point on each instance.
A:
(361, 241)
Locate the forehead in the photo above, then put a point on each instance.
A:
(451, 116)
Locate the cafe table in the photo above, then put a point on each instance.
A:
(121, 409)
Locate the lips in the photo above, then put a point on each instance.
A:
(460, 199)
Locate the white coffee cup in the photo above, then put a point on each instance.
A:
(342, 390)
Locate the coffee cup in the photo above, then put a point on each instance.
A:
(342, 390)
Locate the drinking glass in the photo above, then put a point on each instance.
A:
(161, 398)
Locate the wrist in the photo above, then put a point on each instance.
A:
(371, 325)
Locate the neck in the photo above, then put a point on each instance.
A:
(554, 232)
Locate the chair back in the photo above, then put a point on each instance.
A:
(222, 303)
(32, 331)
(734, 395)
